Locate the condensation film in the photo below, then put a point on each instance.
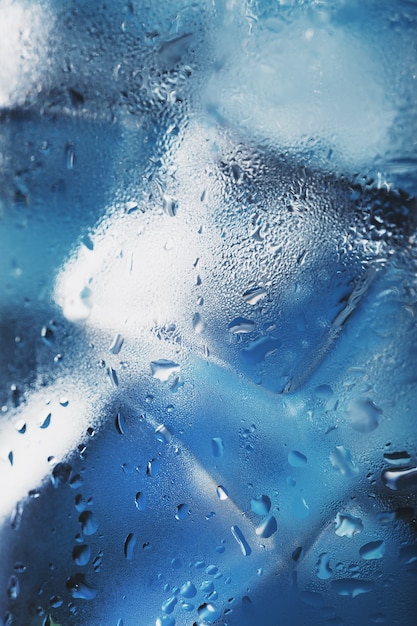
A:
(208, 313)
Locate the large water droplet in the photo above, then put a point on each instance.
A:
(182, 512)
(89, 524)
(297, 459)
(140, 501)
(45, 421)
(81, 554)
(400, 479)
(242, 543)
(116, 344)
(13, 588)
(397, 458)
(129, 546)
(341, 459)
(60, 474)
(165, 620)
(169, 605)
(80, 588)
(152, 467)
(198, 324)
(217, 446)
(364, 416)
(188, 590)
(372, 550)
(163, 434)
(351, 587)
(322, 566)
(241, 326)
(163, 369)
(267, 527)
(348, 525)
(208, 613)
(252, 296)
(261, 505)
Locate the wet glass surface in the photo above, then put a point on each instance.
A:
(208, 313)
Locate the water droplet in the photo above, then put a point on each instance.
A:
(198, 324)
(21, 427)
(70, 152)
(163, 369)
(261, 505)
(312, 598)
(44, 422)
(298, 554)
(348, 525)
(397, 458)
(120, 424)
(55, 602)
(165, 620)
(372, 550)
(322, 566)
(258, 349)
(241, 541)
(408, 555)
(13, 588)
(400, 479)
(119, 622)
(129, 546)
(170, 205)
(222, 493)
(217, 446)
(212, 570)
(113, 378)
(152, 467)
(364, 416)
(252, 296)
(341, 459)
(208, 613)
(267, 527)
(207, 586)
(89, 524)
(48, 336)
(140, 501)
(323, 392)
(10, 457)
(240, 326)
(80, 588)
(76, 481)
(351, 587)
(163, 434)
(117, 344)
(81, 554)
(182, 512)
(188, 590)
(169, 605)
(60, 474)
(297, 459)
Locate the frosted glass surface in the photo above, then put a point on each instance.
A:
(208, 313)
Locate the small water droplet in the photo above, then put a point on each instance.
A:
(129, 546)
(400, 479)
(323, 569)
(163, 369)
(347, 525)
(152, 467)
(351, 587)
(80, 588)
(140, 501)
(222, 492)
(120, 423)
(240, 326)
(261, 505)
(341, 459)
(267, 527)
(117, 344)
(13, 588)
(60, 474)
(113, 378)
(44, 422)
(163, 434)
(297, 459)
(252, 296)
(70, 152)
(182, 512)
(89, 524)
(364, 416)
(217, 446)
(241, 541)
(372, 550)
(81, 554)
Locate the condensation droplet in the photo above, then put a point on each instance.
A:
(400, 479)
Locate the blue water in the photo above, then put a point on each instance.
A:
(208, 336)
